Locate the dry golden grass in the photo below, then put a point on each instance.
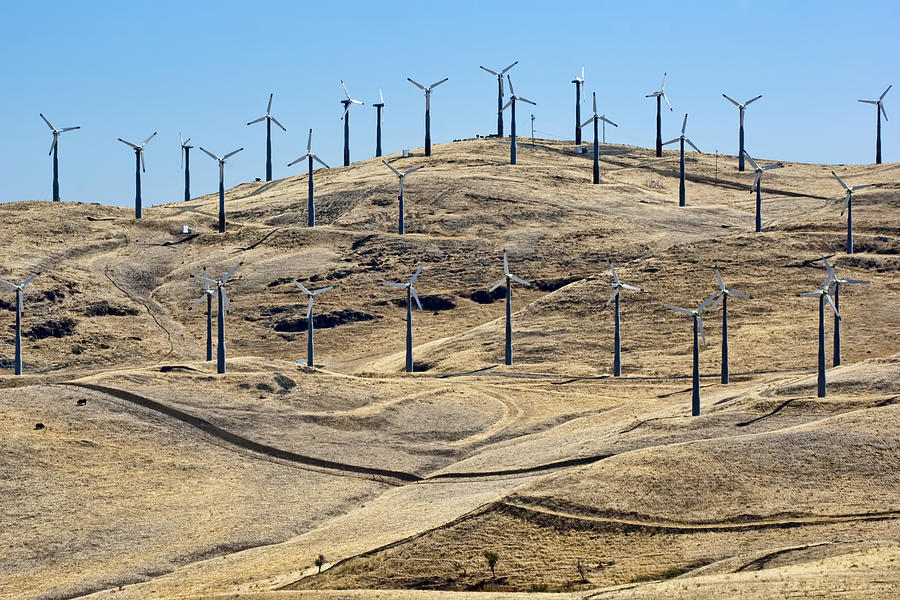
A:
(173, 481)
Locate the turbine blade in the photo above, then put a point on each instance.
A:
(605, 120)
(884, 112)
(53, 143)
(869, 101)
(585, 124)
(128, 143)
(663, 86)
(52, 128)
(856, 188)
(300, 286)
(211, 155)
(884, 93)
(143, 164)
(346, 110)
(346, 93)
(847, 199)
(518, 279)
(833, 307)
(416, 274)
(840, 181)
(683, 311)
(496, 285)
(521, 99)
(415, 296)
(505, 106)
(416, 83)
(65, 129)
(512, 90)
(380, 95)
(752, 162)
(29, 280)
(752, 100)
(684, 124)
(269, 107)
(323, 290)
(810, 294)
(775, 166)
(309, 308)
(491, 72)
(144, 143)
(309, 141)
(505, 264)
(595, 102)
(9, 286)
(613, 297)
(197, 301)
(231, 272)
(721, 281)
(735, 102)
(739, 294)
(394, 285)
(672, 141)
(633, 288)
(396, 172)
(411, 171)
(292, 163)
(847, 281)
(615, 276)
(256, 121)
(706, 302)
(517, 62)
(232, 153)
(719, 297)
(666, 98)
(434, 85)
(691, 144)
(279, 124)
(320, 161)
(756, 181)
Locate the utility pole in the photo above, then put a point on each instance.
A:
(532, 129)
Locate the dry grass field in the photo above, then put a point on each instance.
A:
(154, 477)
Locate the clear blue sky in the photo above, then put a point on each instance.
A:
(127, 69)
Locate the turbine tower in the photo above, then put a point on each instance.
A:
(268, 118)
(223, 303)
(508, 278)
(741, 108)
(660, 94)
(20, 308)
(596, 119)
(512, 123)
(54, 147)
(401, 229)
(879, 110)
(310, 203)
(682, 140)
(823, 295)
(427, 110)
(698, 327)
(836, 286)
(346, 118)
(848, 208)
(618, 286)
(379, 106)
(186, 165)
(208, 295)
(138, 167)
(410, 296)
(221, 162)
(722, 296)
(309, 318)
(579, 98)
(757, 186)
(500, 95)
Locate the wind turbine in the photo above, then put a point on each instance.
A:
(618, 286)
(346, 117)
(848, 207)
(186, 164)
(221, 183)
(836, 286)
(698, 327)
(309, 318)
(378, 108)
(400, 227)
(208, 295)
(500, 95)
(427, 110)
(410, 296)
(823, 295)
(223, 303)
(54, 147)
(879, 110)
(310, 203)
(579, 98)
(741, 108)
(268, 118)
(660, 94)
(682, 140)
(757, 186)
(508, 278)
(138, 167)
(20, 308)
(596, 119)
(722, 296)
(512, 123)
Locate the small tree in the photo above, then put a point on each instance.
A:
(320, 562)
(582, 570)
(492, 557)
